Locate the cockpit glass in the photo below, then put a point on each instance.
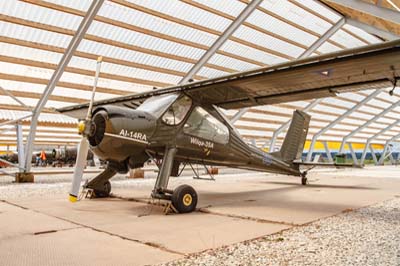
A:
(202, 124)
(177, 111)
(157, 105)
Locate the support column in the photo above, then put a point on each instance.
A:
(370, 139)
(328, 152)
(21, 176)
(353, 154)
(373, 154)
(20, 146)
(385, 150)
(364, 154)
(338, 120)
(366, 124)
(73, 45)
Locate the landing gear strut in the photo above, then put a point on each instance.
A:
(304, 178)
(184, 197)
(101, 185)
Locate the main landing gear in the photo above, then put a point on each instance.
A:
(182, 198)
(100, 186)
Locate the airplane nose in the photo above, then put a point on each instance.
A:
(97, 128)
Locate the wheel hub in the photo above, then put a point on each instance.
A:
(187, 199)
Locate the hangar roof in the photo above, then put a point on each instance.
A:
(148, 44)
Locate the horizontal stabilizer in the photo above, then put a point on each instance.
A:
(337, 165)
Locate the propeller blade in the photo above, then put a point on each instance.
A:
(96, 78)
(83, 149)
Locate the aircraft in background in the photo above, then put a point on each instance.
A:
(183, 124)
(55, 157)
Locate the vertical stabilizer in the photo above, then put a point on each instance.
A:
(293, 145)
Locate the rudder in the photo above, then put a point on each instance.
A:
(293, 144)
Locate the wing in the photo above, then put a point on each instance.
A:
(370, 67)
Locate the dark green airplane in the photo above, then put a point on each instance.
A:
(183, 124)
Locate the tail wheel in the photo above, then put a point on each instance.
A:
(304, 180)
(105, 192)
(184, 199)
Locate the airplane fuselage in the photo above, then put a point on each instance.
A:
(129, 138)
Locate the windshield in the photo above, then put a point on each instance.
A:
(158, 104)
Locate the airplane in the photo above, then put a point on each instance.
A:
(67, 155)
(56, 156)
(184, 123)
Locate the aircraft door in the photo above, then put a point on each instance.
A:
(206, 135)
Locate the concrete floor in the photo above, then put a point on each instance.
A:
(37, 230)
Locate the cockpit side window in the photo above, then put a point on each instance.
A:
(177, 111)
(157, 105)
(203, 125)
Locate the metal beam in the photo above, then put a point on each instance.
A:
(286, 125)
(14, 98)
(370, 139)
(239, 114)
(15, 120)
(20, 146)
(393, 5)
(9, 163)
(389, 141)
(305, 54)
(366, 124)
(338, 120)
(353, 154)
(371, 9)
(7, 173)
(73, 45)
(372, 30)
(323, 38)
(328, 151)
(383, 156)
(373, 153)
(253, 142)
(222, 39)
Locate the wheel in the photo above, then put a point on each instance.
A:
(105, 192)
(184, 199)
(304, 180)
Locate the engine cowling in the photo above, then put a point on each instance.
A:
(117, 133)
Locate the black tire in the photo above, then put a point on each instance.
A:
(103, 193)
(184, 199)
(304, 181)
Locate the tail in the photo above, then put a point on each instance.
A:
(292, 147)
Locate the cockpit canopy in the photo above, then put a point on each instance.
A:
(173, 108)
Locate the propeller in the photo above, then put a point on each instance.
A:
(84, 128)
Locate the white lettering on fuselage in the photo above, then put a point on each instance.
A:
(201, 143)
(133, 134)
